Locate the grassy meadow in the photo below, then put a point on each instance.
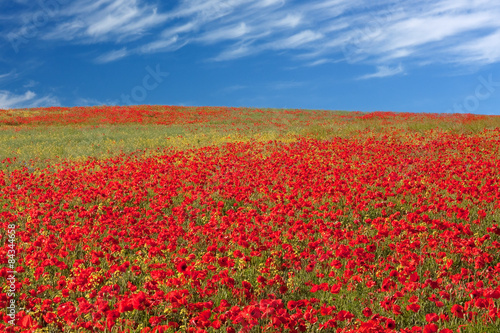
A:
(215, 219)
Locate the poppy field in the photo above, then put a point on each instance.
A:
(246, 220)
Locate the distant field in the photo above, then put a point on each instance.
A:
(214, 219)
(36, 137)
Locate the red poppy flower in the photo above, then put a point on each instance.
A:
(182, 267)
(335, 289)
(430, 328)
(413, 307)
(431, 317)
(396, 309)
(457, 310)
(390, 324)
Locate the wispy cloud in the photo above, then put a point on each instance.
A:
(462, 32)
(237, 51)
(112, 56)
(297, 40)
(29, 99)
(290, 20)
(9, 100)
(484, 50)
(383, 71)
(30, 84)
(319, 62)
(162, 45)
(225, 33)
(8, 75)
(89, 21)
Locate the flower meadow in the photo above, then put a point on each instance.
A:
(340, 223)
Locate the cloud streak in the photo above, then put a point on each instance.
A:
(112, 56)
(461, 32)
(87, 22)
(29, 99)
(383, 71)
(8, 75)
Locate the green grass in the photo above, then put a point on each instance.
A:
(37, 144)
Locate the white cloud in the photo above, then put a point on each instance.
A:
(417, 32)
(30, 84)
(206, 10)
(297, 40)
(11, 74)
(66, 31)
(238, 51)
(109, 22)
(290, 21)
(112, 56)
(383, 71)
(162, 45)
(484, 50)
(268, 3)
(425, 32)
(225, 33)
(184, 28)
(9, 100)
(88, 21)
(457, 31)
(43, 101)
(318, 62)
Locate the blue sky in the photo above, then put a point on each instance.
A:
(409, 56)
